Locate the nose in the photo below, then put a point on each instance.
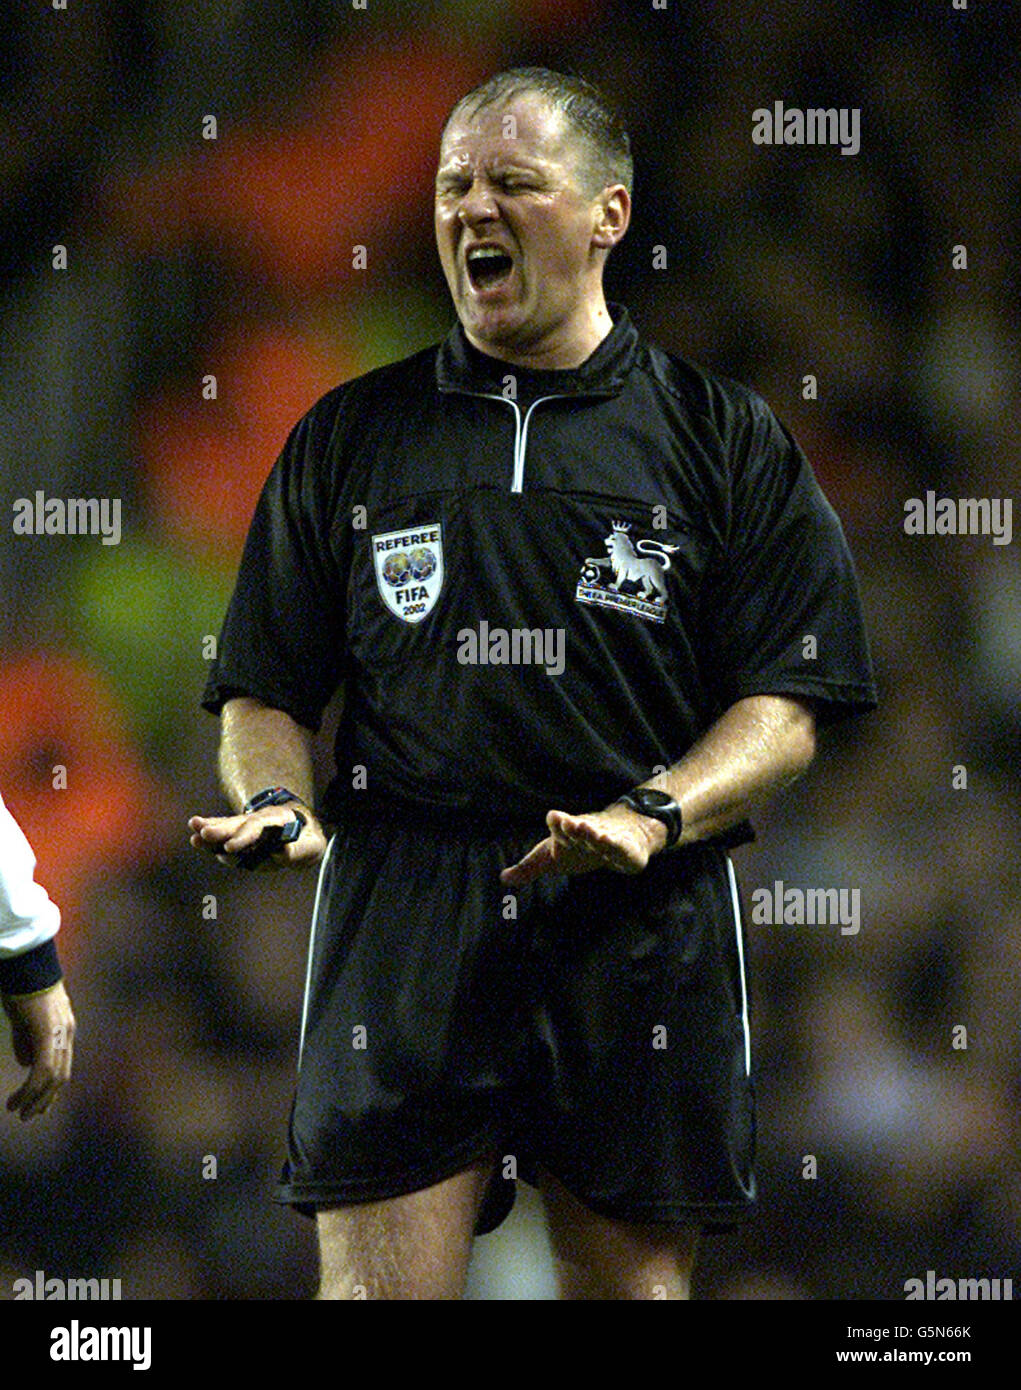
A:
(477, 205)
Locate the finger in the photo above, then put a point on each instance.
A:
(582, 834)
(244, 835)
(275, 821)
(574, 831)
(233, 834)
(197, 824)
(558, 822)
(215, 849)
(538, 861)
(615, 847)
(215, 832)
(575, 835)
(571, 827)
(34, 1096)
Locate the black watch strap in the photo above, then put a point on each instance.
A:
(271, 796)
(661, 806)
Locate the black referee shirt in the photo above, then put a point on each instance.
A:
(537, 587)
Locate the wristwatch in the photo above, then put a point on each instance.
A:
(272, 796)
(661, 806)
(273, 837)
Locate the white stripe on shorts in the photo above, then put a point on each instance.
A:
(740, 961)
(311, 949)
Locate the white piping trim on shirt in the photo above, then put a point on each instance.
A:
(311, 950)
(519, 452)
(520, 431)
(740, 962)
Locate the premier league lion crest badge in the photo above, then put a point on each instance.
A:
(409, 570)
(631, 577)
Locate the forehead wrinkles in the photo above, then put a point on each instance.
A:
(480, 140)
(493, 162)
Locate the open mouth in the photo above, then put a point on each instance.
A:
(488, 267)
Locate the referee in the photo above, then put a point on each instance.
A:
(587, 605)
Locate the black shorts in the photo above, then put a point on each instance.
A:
(595, 1025)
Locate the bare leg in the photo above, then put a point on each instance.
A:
(598, 1258)
(415, 1246)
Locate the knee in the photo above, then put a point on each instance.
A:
(662, 1279)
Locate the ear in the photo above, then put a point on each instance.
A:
(612, 215)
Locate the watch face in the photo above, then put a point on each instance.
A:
(651, 797)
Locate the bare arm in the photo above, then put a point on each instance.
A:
(755, 747)
(261, 747)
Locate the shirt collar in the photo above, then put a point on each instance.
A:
(462, 367)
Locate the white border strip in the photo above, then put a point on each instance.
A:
(740, 961)
(311, 949)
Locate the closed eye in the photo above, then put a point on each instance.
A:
(456, 187)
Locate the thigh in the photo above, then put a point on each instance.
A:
(409, 1247)
(598, 1257)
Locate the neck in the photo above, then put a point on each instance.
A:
(559, 351)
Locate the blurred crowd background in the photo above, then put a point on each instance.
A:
(189, 257)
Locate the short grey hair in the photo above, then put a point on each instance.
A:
(581, 103)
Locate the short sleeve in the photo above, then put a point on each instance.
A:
(29, 919)
(783, 610)
(27, 915)
(282, 641)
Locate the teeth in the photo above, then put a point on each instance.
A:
(485, 252)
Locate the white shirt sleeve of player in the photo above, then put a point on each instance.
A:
(27, 915)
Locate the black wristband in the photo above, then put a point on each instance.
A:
(271, 796)
(648, 801)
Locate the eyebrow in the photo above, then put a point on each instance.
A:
(497, 170)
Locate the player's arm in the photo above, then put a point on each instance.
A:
(755, 747)
(261, 747)
(31, 989)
